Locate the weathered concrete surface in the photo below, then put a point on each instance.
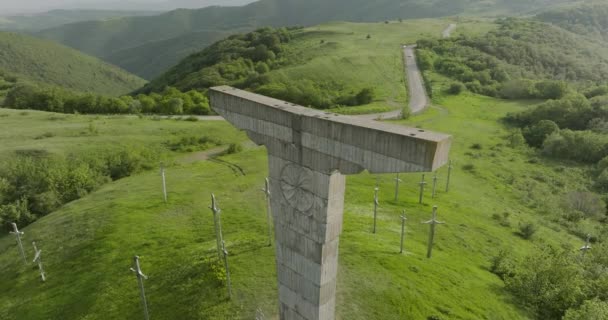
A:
(309, 152)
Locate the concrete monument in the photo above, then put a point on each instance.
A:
(309, 154)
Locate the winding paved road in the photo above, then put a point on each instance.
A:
(418, 97)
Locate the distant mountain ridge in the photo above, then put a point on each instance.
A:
(106, 39)
(54, 18)
(48, 63)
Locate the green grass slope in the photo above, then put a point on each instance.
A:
(49, 63)
(105, 39)
(88, 245)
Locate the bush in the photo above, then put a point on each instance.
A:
(549, 282)
(502, 265)
(527, 230)
(456, 88)
(535, 135)
(234, 148)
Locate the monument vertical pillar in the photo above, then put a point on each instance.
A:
(307, 212)
(309, 154)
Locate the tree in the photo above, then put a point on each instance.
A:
(549, 281)
(590, 310)
(456, 88)
(536, 134)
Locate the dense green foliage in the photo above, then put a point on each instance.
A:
(558, 282)
(169, 101)
(586, 20)
(48, 63)
(244, 61)
(56, 18)
(33, 185)
(123, 42)
(521, 59)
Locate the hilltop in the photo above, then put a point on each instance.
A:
(107, 39)
(48, 63)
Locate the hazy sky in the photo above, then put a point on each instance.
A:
(8, 7)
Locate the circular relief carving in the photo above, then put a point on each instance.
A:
(296, 183)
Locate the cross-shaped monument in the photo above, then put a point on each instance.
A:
(309, 154)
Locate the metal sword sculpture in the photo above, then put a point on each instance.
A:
(266, 191)
(376, 204)
(164, 181)
(217, 222)
(397, 180)
(434, 186)
(228, 283)
(403, 219)
(447, 183)
(587, 245)
(38, 259)
(422, 183)
(309, 154)
(433, 222)
(140, 279)
(18, 235)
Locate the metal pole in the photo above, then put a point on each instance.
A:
(375, 206)
(38, 258)
(422, 183)
(266, 191)
(162, 174)
(140, 280)
(218, 227)
(403, 218)
(397, 180)
(434, 185)
(18, 234)
(447, 184)
(228, 283)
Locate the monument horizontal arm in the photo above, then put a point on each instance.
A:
(326, 141)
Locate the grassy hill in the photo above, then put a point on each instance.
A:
(46, 62)
(54, 18)
(326, 61)
(95, 237)
(589, 20)
(106, 39)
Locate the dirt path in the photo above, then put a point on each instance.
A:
(448, 31)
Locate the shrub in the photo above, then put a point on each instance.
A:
(234, 148)
(476, 146)
(589, 204)
(456, 88)
(502, 265)
(527, 230)
(535, 135)
(549, 281)
(468, 167)
(516, 138)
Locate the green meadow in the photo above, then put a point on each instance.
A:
(88, 245)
